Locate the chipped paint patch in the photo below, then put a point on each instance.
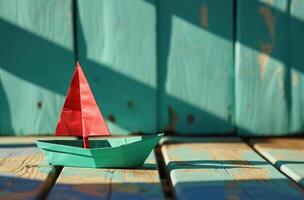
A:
(278, 74)
(266, 47)
(263, 58)
(204, 15)
(284, 143)
(173, 118)
(295, 79)
(269, 19)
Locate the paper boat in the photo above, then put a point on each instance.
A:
(81, 117)
(116, 152)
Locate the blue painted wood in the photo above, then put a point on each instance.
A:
(37, 61)
(116, 44)
(224, 168)
(297, 65)
(269, 67)
(287, 154)
(82, 183)
(195, 53)
(156, 65)
(23, 174)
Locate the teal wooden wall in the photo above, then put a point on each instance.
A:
(269, 67)
(188, 67)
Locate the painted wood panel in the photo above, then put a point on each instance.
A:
(224, 168)
(195, 52)
(268, 67)
(116, 44)
(287, 154)
(82, 183)
(37, 61)
(297, 65)
(23, 174)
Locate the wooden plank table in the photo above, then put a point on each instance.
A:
(23, 175)
(86, 183)
(224, 168)
(287, 154)
(210, 168)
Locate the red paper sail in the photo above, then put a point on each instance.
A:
(80, 115)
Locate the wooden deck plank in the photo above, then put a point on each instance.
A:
(287, 154)
(23, 174)
(224, 168)
(87, 183)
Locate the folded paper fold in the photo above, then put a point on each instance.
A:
(80, 115)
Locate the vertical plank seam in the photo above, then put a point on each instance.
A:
(159, 89)
(74, 18)
(233, 67)
(288, 66)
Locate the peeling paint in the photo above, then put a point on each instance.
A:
(269, 19)
(204, 15)
(295, 79)
(279, 143)
(263, 58)
(173, 118)
(266, 47)
(278, 74)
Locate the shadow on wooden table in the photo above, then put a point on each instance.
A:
(20, 188)
(239, 189)
(222, 164)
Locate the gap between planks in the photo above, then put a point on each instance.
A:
(23, 173)
(165, 179)
(251, 142)
(241, 182)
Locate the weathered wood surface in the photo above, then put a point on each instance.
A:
(85, 183)
(224, 168)
(116, 44)
(23, 174)
(297, 66)
(37, 61)
(269, 67)
(287, 154)
(195, 54)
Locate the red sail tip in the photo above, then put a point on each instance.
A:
(80, 115)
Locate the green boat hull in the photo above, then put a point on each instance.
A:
(125, 152)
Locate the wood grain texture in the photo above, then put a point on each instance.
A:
(287, 154)
(269, 67)
(37, 61)
(23, 174)
(224, 168)
(116, 44)
(297, 65)
(195, 55)
(82, 183)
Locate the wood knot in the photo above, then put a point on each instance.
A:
(130, 104)
(39, 104)
(190, 119)
(111, 118)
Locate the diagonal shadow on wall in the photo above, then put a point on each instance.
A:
(186, 11)
(27, 59)
(25, 48)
